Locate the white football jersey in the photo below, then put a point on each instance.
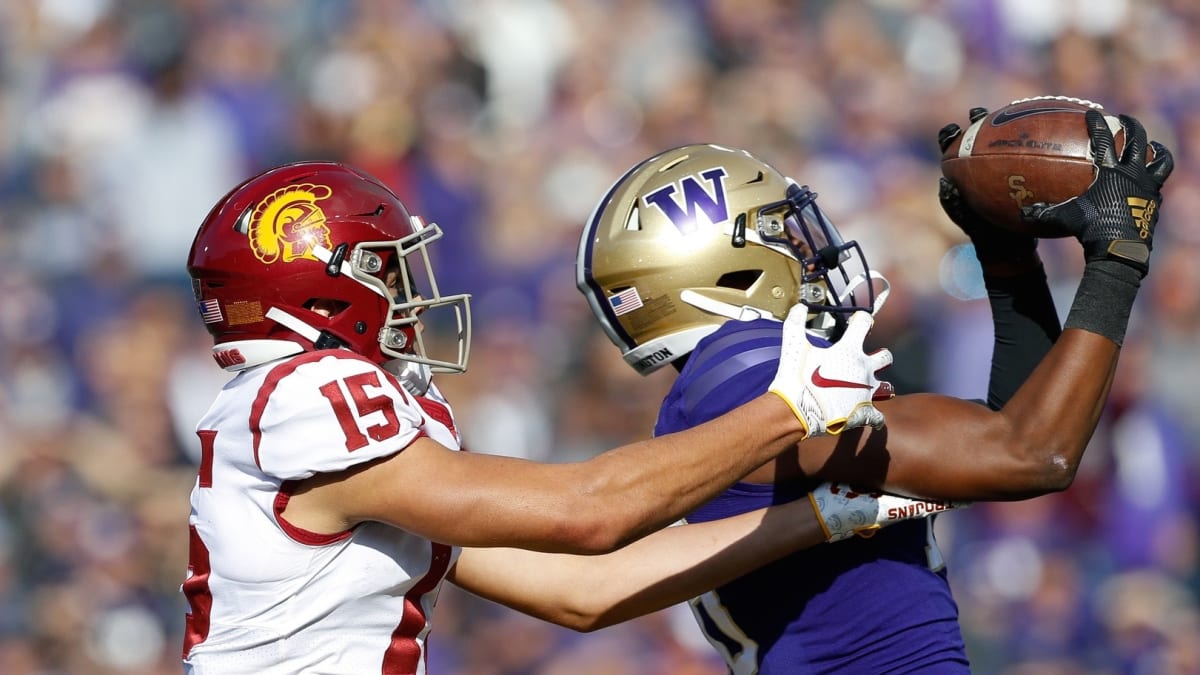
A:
(268, 597)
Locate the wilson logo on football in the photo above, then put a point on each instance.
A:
(288, 224)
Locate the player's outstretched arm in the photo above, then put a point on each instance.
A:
(674, 564)
(1024, 320)
(954, 449)
(603, 503)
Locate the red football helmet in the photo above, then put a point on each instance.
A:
(318, 235)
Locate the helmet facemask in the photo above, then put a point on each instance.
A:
(401, 272)
(835, 278)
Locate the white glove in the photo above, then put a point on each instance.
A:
(830, 388)
(844, 513)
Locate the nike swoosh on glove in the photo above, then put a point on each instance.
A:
(830, 388)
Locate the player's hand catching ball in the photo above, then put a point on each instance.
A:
(830, 388)
(996, 248)
(1115, 218)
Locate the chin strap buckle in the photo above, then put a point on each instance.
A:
(328, 341)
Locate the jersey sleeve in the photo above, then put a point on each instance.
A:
(727, 369)
(1026, 326)
(328, 413)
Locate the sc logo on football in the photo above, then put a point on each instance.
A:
(1017, 190)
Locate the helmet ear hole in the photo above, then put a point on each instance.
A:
(326, 306)
(740, 280)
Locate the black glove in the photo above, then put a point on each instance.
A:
(951, 131)
(994, 246)
(1115, 218)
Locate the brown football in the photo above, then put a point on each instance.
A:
(1032, 150)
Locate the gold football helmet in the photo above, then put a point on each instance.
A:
(701, 234)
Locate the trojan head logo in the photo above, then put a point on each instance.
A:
(696, 197)
(288, 224)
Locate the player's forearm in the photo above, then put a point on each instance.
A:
(1025, 326)
(1035, 443)
(670, 566)
(945, 448)
(1055, 413)
(644, 486)
(589, 507)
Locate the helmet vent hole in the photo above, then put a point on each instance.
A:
(634, 224)
(242, 224)
(672, 165)
(326, 306)
(740, 280)
(757, 179)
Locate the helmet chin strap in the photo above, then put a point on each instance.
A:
(320, 339)
(725, 309)
(829, 326)
(414, 377)
(294, 324)
(748, 313)
(859, 280)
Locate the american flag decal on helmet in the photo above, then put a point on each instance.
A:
(210, 311)
(625, 302)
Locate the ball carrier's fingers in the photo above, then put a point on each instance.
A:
(1115, 217)
(1162, 165)
(1104, 147)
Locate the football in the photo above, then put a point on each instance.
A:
(1032, 150)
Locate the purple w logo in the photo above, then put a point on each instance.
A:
(696, 197)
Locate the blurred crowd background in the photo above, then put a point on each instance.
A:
(123, 121)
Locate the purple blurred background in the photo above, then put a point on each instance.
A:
(122, 121)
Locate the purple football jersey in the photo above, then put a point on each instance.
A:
(876, 605)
